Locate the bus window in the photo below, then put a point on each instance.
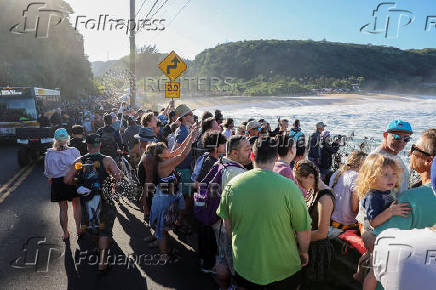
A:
(17, 109)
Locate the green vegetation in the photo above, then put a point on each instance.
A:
(275, 67)
(58, 61)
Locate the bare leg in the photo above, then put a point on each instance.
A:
(370, 282)
(63, 217)
(223, 276)
(163, 244)
(103, 246)
(77, 211)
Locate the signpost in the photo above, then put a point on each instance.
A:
(173, 67)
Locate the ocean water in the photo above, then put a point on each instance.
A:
(365, 118)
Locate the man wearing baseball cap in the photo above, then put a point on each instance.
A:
(186, 118)
(315, 142)
(395, 138)
(252, 129)
(416, 270)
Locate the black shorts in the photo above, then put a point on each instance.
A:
(289, 283)
(61, 191)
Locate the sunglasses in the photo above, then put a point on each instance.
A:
(414, 148)
(397, 137)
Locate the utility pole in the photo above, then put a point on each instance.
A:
(132, 75)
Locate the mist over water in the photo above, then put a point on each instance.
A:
(366, 117)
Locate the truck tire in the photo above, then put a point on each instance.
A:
(24, 156)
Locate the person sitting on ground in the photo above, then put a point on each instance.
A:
(343, 183)
(266, 257)
(320, 204)
(78, 134)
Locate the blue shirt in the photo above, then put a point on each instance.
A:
(422, 201)
(181, 134)
(376, 201)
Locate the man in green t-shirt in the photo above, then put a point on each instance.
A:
(262, 210)
(422, 199)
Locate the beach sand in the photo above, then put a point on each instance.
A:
(202, 102)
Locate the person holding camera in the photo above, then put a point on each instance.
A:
(328, 148)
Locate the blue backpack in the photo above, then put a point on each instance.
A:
(208, 196)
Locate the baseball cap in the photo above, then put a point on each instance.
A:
(252, 125)
(93, 139)
(320, 124)
(399, 125)
(61, 134)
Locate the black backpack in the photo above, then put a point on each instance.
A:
(108, 142)
(92, 175)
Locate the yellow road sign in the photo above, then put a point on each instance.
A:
(173, 66)
(172, 90)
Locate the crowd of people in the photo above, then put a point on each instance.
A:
(267, 202)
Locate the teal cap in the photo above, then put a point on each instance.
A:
(61, 134)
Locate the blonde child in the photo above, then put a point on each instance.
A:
(377, 178)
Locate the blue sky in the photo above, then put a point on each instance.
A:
(204, 24)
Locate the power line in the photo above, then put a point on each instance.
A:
(174, 17)
(180, 11)
(152, 7)
(157, 11)
(142, 5)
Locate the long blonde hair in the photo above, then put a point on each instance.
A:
(354, 161)
(57, 144)
(372, 168)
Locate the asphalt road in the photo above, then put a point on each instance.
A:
(33, 256)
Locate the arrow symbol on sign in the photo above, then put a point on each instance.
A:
(175, 61)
